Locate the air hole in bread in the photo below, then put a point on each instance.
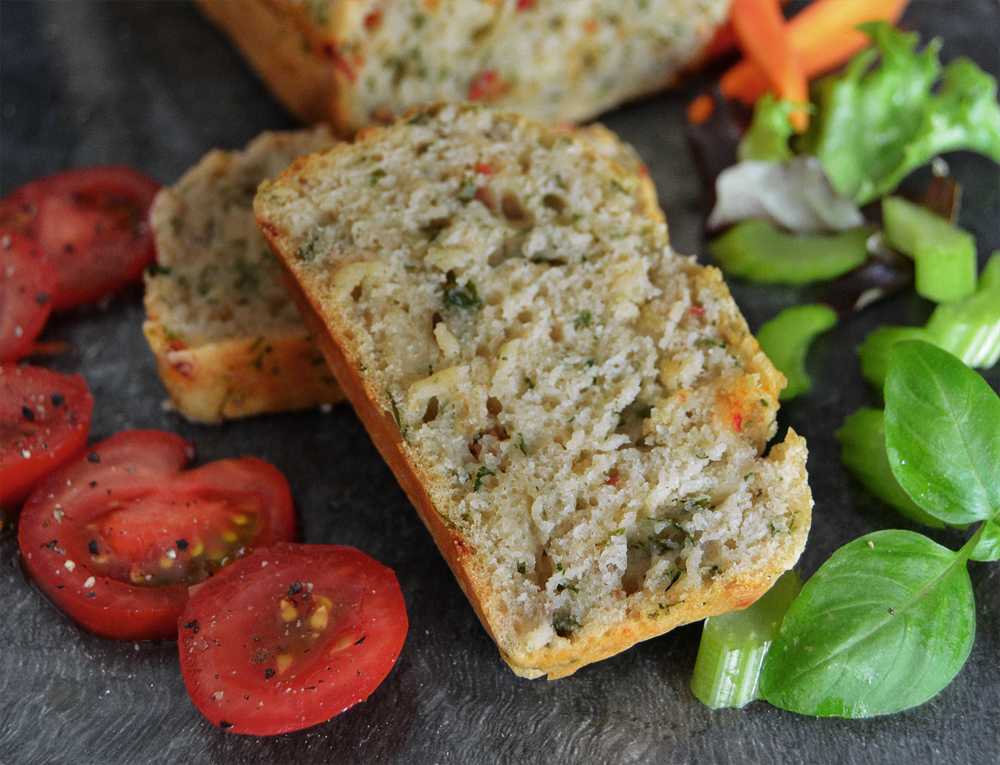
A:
(543, 568)
(436, 318)
(556, 333)
(493, 406)
(512, 208)
(356, 292)
(480, 33)
(554, 202)
(638, 562)
(525, 317)
(431, 413)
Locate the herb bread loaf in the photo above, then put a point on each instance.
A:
(227, 337)
(579, 414)
(351, 62)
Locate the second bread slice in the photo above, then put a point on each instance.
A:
(578, 413)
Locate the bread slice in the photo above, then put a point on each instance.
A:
(579, 414)
(227, 337)
(351, 62)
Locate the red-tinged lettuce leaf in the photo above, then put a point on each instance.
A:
(795, 195)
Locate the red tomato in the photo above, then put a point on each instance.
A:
(44, 421)
(289, 637)
(29, 279)
(92, 223)
(116, 536)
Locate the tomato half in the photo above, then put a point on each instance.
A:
(289, 637)
(117, 535)
(44, 421)
(92, 222)
(29, 279)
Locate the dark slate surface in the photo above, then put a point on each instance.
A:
(152, 85)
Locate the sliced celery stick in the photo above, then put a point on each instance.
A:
(874, 351)
(733, 647)
(970, 329)
(862, 450)
(756, 250)
(786, 338)
(944, 257)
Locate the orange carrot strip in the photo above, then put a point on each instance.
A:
(823, 36)
(763, 36)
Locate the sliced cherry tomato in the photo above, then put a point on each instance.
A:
(29, 279)
(289, 637)
(117, 535)
(44, 421)
(92, 223)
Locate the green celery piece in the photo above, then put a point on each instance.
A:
(942, 433)
(862, 450)
(970, 329)
(882, 626)
(875, 127)
(758, 251)
(786, 338)
(769, 133)
(733, 646)
(874, 351)
(944, 256)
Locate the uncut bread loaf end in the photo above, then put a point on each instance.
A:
(227, 337)
(353, 62)
(579, 414)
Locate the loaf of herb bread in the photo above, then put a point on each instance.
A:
(352, 62)
(578, 413)
(227, 337)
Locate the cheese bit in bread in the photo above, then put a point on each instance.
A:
(351, 62)
(227, 337)
(579, 414)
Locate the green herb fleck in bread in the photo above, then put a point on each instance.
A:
(578, 413)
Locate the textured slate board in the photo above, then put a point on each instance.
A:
(152, 85)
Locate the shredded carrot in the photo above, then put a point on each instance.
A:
(823, 36)
(763, 37)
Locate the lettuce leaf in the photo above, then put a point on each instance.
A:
(876, 125)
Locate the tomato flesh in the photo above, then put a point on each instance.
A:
(92, 223)
(44, 421)
(29, 279)
(289, 637)
(117, 536)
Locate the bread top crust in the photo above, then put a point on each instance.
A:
(549, 59)
(578, 413)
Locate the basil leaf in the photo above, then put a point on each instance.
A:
(883, 626)
(942, 433)
(988, 546)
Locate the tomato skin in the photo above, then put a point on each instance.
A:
(93, 224)
(289, 637)
(44, 421)
(116, 537)
(29, 279)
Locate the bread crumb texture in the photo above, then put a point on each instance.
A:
(585, 410)
(228, 338)
(366, 60)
